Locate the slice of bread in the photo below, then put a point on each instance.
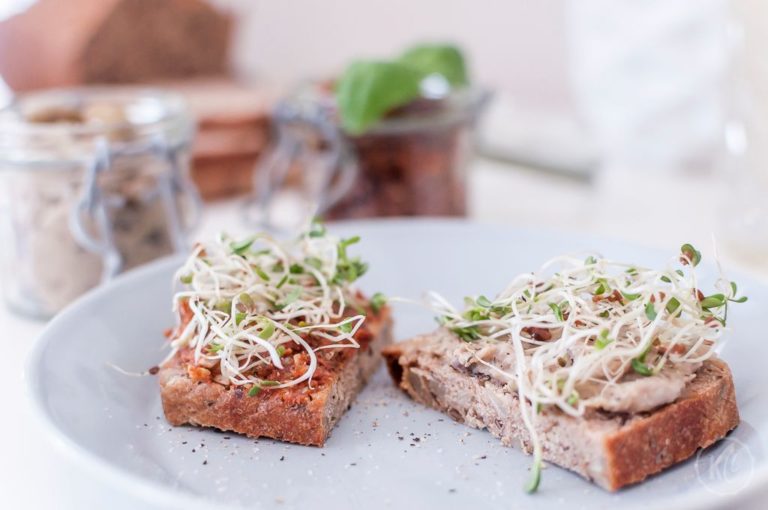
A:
(303, 414)
(611, 449)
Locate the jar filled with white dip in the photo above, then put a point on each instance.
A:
(92, 182)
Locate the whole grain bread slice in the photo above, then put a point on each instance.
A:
(611, 449)
(303, 414)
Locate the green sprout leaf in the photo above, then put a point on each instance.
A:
(241, 247)
(602, 287)
(673, 305)
(246, 299)
(602, 340)
(316, 229)
(293, 295)
(267, 330)
(484, 302)
(344, 243)
(690, 255)
(650, 311)
(641, 368)
(378, 301)
(467, 334)
(535, 480)
(734, 291)
(186, 279)
(255, 390)
(224, 305)
(630, 297)
(260, 272)
(713, 301)
(558, 312)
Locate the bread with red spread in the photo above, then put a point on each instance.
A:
(303, 414)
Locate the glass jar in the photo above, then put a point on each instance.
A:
(412, 163)
(93, 182)
(743, 217)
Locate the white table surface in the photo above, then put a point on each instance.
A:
(34, 474)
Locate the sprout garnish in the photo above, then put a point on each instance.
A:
(252, 299)
(593, 322)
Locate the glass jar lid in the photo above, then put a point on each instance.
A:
(62, 127)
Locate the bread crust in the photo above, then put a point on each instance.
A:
(300, 414)
(613, 450)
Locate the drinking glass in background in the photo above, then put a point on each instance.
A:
(413, 162)
(745, 214)
(94, 182)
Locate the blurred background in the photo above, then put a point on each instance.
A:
(131, 127)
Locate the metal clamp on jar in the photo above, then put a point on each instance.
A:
(94, 182)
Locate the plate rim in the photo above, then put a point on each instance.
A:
(158, 494)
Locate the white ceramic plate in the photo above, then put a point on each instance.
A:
(386, 452)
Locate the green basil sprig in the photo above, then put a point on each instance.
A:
(369, 89)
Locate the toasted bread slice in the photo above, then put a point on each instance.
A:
(611, 449)
(303, 414)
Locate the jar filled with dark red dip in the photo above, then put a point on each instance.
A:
(412, 162)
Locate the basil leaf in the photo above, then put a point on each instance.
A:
(369, 89)
(443, 59)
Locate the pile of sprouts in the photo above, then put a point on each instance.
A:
(252, 298)
(592, 321)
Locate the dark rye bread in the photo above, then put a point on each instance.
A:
(299, 414)
(612, 450)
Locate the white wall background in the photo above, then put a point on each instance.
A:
(516, 46)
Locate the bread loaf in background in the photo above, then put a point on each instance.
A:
(233, 129)
(59, 43)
